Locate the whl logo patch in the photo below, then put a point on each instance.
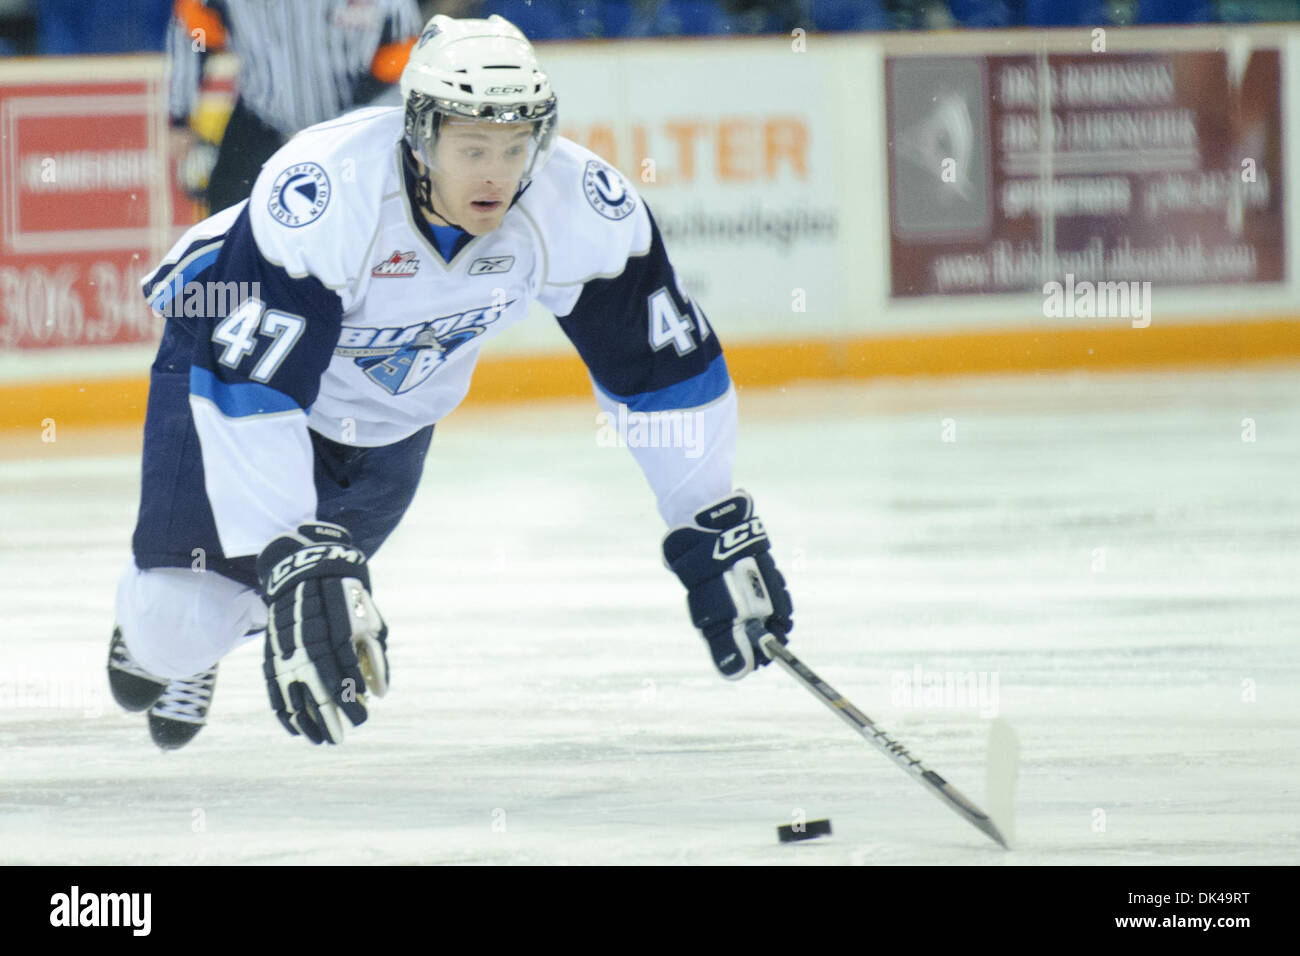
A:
(398, 265)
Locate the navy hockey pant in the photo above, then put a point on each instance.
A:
(366, 490)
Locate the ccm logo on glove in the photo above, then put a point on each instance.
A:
(308, 558)
(738, 538)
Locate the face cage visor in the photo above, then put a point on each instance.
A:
(482, 146)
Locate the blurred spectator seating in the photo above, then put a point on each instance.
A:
(101, 26)
(848, 15)
(129, 26)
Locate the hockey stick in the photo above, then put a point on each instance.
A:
(863, 725)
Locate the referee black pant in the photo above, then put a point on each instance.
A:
(246, 145)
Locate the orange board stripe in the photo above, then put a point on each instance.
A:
(521, 378)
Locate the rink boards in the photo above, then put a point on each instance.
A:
(809, 201)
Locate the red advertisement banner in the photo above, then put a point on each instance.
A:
(1008, 172)
(89, 206)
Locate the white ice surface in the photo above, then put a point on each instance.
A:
(546, 680)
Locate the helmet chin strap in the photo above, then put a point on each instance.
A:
(424, 186)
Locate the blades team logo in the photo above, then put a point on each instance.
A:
(606, 191)
(398, 360)
(398, 265)
(299, 195)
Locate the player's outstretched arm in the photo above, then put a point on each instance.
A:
(655, 359)
(725, 562)
(326, 643)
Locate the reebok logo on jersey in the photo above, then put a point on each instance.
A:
(737, 539)
(398, 265)
(606, 191)
(491, 265)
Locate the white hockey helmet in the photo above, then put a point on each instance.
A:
(477, 70)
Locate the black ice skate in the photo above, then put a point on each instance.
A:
(182, 710)
(133, 687)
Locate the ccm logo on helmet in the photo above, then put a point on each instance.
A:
(505, 90)
(738, 538)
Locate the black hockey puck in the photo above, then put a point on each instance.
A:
(807, 831)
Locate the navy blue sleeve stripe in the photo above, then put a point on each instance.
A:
(165, 274)
(185, 272)
(240, 265)
(609, 325)
(709, 385)
(238, 399)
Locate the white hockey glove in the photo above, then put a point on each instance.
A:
(725, 562)
(326, 643)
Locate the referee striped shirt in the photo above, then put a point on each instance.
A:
(301, 61)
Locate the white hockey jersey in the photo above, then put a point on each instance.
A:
(323, 303)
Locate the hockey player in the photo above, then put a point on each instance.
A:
(287, 428)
